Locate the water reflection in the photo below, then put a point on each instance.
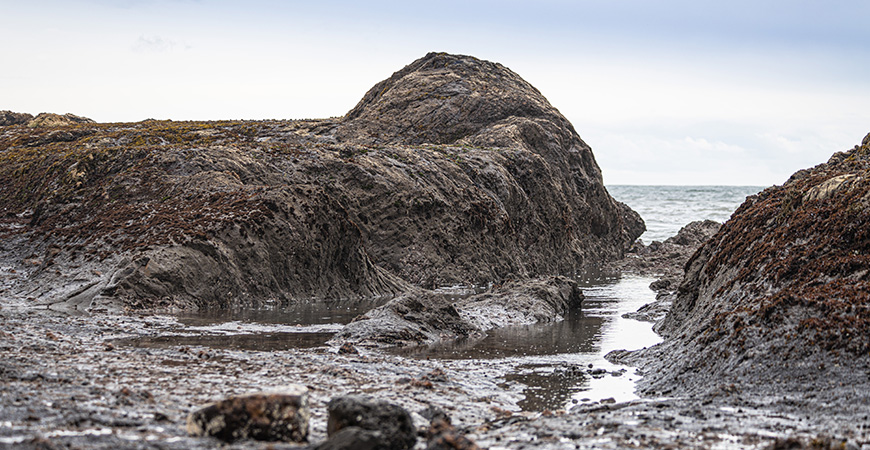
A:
(576, 334)
(261, 342)
(547, 389)
(313, 313)
(548, 364)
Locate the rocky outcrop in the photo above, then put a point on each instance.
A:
(218, 214)
(777, 301)
(507, 135)
(426, 317)
(13, 118)
(57, 120)
(666, 259)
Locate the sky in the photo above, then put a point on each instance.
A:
(668, 92)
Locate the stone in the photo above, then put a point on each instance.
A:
(393, 424)
(426, 317)
(347, 349)
(268, 416)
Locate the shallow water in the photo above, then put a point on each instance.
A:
(552, 366)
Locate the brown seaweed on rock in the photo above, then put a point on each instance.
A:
(779, 299)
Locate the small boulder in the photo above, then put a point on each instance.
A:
(381, 424)
(347, 349)
(268, 416)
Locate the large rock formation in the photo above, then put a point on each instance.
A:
(454, 170)
(778, 301)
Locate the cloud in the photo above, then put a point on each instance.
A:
(157, 44)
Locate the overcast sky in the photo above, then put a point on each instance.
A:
(666, 92)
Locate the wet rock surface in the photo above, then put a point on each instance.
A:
(775, 303)
(69, 382)
(426, 317)
(270, 416)
(452, 171)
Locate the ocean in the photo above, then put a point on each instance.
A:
(666, 209)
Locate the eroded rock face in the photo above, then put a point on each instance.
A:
(219, 214)
(778, 298)
(461, 100)
(270, 416)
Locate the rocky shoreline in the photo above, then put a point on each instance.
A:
(75, 380)
(452, 171)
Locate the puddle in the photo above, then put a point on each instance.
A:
(315, 313)
(306, 325)
(545, 387)
(576, 334)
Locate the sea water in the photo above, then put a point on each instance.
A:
(666, 209)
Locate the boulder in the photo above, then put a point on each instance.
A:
(364, 422)
(270, 416)
(426, 317)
